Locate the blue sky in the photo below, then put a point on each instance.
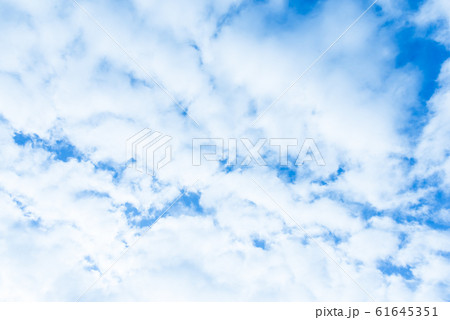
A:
(376, 104)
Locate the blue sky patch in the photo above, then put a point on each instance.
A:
(287, 173)
(331, 178)
(427, 56)
(192, 200)
(60, 149)
(260, 243)
(92, 194)
(91, 266)
(388, 268)
(139, 219)
(188, 204)
(303, 6)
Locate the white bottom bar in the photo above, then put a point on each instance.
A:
(227, 310)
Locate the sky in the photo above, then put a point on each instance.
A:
(78, 79)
